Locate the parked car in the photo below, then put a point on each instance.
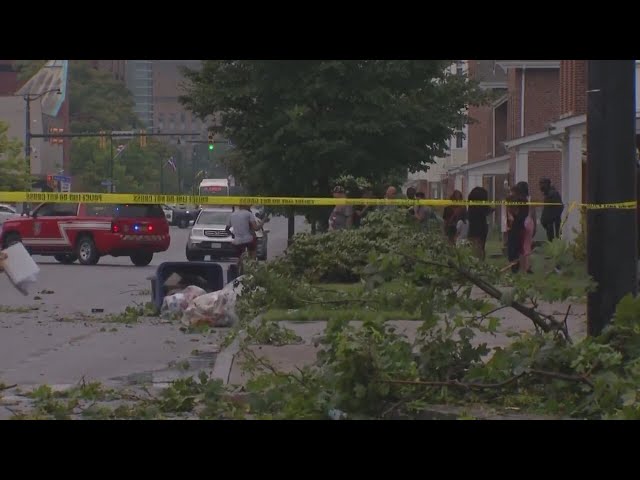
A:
(209, 237)
(86, 232)
(183, 215)
(7, 212)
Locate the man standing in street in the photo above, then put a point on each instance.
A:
(551, 214)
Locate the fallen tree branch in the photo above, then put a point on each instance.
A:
(563, 376)
(473, 385)
(457, 383)
(7, 387)
(538, 319)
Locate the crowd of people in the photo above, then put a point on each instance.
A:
(469, 224)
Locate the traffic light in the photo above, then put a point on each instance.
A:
(210, 140)
(55, 140)
(143, 138)
(103, 139)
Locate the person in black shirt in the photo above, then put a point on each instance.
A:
(551, 214)
(477, 215)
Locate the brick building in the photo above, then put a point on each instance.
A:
(8, 77)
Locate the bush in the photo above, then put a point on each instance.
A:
(340, 256)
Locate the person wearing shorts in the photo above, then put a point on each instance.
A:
(244, 226)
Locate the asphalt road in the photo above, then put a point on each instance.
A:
(51, 335)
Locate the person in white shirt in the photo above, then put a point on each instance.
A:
(244, 225)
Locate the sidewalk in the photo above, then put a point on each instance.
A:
(286, 358)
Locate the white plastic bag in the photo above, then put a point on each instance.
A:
(192, 292)
(173, 304)
(217, 309)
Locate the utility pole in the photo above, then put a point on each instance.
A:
(612, 234)
(111, 164)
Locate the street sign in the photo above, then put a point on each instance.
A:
(105, 183)
(62, 178)
(123, 133)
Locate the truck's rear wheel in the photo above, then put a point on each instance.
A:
(86, 251)
(66, 259)
(183, 222)
(141, 259)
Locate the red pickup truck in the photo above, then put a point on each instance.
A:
(86, 232)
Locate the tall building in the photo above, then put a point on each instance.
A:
(435, 181)
(169, 114)
(117, 68)
(139, 80)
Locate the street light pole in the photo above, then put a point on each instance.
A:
(27, 132)
(111, 163)
(28, 98)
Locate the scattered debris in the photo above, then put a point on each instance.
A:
(97, 310)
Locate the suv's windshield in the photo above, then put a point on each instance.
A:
(213, 218)
(124, 211)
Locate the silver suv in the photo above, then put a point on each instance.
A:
(208, 237)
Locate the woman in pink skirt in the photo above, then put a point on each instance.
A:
(529, 229)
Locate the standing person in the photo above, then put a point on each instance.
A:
(516, 218)
(342, 215)
(361, 211)
(477, 215)
(411, 195)
(390, 194)
(3, 257)
(551, 214)
(530, 224)
(244, 226)
(422, 213)
(451, 215)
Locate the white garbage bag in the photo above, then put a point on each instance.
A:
(177, 303)
(192, 292)
(173, 304)
(217, 309)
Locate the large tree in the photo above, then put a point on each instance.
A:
(136, 170)
(298, 124)
(13, 166)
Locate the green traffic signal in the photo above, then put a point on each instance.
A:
(210, 146)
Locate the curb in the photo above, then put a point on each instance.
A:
(224, 362)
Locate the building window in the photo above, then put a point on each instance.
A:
(459, 139)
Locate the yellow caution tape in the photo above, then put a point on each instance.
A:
(136, 198)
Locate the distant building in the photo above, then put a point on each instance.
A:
(435, 181)
(49, 113)
(117, 68)
(139, 80)
(8, 77)
(170, 115)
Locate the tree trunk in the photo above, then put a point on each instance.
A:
(291, 225)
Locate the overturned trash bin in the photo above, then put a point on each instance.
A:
(172, 277)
